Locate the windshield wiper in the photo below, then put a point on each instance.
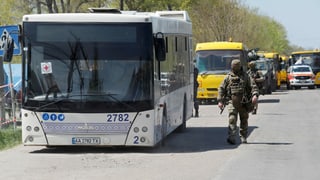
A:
(74, 61)
(120, 102)
(204, 73)
(64, 98)
(49, 104)
(61, 98)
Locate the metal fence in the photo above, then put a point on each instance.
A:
(7, 115)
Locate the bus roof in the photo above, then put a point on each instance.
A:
(220, 45)
(306, 52)
(100, 16)
(269, 55)
(162, 21)
(284, 57)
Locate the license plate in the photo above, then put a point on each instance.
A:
(86, 140)
(211, 95)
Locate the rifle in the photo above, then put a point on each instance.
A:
(224, 102)
(222, 109)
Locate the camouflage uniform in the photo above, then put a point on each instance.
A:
(236, 90)
(257, 76)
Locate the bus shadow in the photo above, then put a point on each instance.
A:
(281, 92)
(194, 139)
(199, 139)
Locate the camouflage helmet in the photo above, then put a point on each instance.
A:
(235, 65)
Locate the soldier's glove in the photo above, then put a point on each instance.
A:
(255, 99)
(220, 105)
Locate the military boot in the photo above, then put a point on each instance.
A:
(232, 131)
(254, 111)
(243, 140)
(231, 141)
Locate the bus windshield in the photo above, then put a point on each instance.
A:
(92, 68)
(216, 61)
(312, 59)
(261, 65)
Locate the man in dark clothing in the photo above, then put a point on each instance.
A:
(195, 90)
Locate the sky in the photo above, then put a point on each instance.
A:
(300, 18)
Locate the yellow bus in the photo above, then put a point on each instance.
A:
(213, 59)
(283, 69)
(311, 58)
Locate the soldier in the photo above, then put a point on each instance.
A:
(237, 90)
(195, 90)
(258, 78)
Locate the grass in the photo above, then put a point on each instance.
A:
(9, 137)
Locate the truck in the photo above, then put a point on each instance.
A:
(274, 62)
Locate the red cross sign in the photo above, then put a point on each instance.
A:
(46, 68)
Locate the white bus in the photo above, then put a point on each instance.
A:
(94, 78)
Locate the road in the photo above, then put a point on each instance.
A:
(283, 144)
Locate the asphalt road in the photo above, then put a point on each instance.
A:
(283, 144)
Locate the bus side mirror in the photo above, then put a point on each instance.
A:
(8, 46)
(160, 48)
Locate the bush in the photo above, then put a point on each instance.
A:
(9, 137)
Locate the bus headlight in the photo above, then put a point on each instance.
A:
(144, 129)
(143, 139)
(136, 129)
(36, 129)
(30, 138)
(28, 128)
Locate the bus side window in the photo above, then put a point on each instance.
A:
(317, 61)
(202, 64)
(160, 47)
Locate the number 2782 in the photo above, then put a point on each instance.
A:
(117, 117)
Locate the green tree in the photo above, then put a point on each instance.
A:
(64, 6)
(7, 12)
(213, 20)
(149, 5)
(221, 20)
(218, 20)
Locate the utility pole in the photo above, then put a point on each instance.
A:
(2, 112)
(13, 99)
(121, 5)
